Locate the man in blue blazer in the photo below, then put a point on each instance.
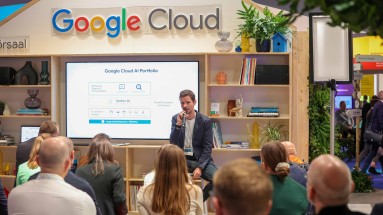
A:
(192, 132)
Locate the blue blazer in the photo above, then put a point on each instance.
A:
(202, 138)
(377, 117)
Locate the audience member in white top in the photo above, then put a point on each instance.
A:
(49, 193)
(173, 194)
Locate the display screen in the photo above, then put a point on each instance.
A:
(346, 99)
(27, 132)
(127, 100)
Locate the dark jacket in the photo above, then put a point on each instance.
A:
(377, 117)
(108, 187)
(377, 209)
(78, 183)
(338, 210)
(3, 200)
(202, 138)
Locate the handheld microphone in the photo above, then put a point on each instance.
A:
(183, 120)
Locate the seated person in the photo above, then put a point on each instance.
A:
(171, 192)
(274, 162)
(344, 120)
(298, 168)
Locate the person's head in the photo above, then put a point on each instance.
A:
(49, 127)
(380, 95)
(187, 100)
(373, 102)
(290, 147)
(342, 105)
(365, 97)
(242, 187)
(329, 182)
(170, 192)
(54, 157)
(100, 151)
(32, 162)
(375, 97)
(274, 158)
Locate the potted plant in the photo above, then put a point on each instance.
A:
(2, 106)
(268, 25)
(272, 132)
(246, 30)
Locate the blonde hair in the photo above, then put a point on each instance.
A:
(171, 188)
(32, 163)
(100, 151)
(252, 192)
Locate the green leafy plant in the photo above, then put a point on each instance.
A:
(269, 24)
(272, 132)
(363, 182)
(261, 27)
(248, 15)
(357, 15)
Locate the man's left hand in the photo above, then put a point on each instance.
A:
(197, 173)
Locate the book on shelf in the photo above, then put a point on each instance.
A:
(31, 112)
(214, 109)
(263, 111)
(217, 134)
(247, 76)
(236, 145)
(133, 196)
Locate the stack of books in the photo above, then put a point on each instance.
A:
(248, 71)
(263, 112)
(236, 145)
(217, 134)
(31, 112)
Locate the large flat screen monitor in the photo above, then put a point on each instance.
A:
(126, 100)
(347, 99)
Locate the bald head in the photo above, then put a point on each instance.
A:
(290, 147)
(53, 155)
(380, 95)
(331, 179)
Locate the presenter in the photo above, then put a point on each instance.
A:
(192, 132)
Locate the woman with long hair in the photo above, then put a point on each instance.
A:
(105, 176)
(171, 193)
(31, 167)
(289, 197)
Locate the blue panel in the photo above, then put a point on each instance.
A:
(6, 11)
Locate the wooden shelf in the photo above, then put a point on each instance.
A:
(8, 176)
(250, 118)
(17, 116)
(251, 86)
(25, 86)
(235, 150)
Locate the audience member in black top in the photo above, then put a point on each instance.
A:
(329, 185)
(3, 200)
(377, 209)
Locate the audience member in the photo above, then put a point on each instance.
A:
(298, 168)
(329, 185)
(192, 132)
(289, 197)
(377, 209)
(24, 149)
(375, 125)
(3, 200)
(105, 176)
(75, 180)
(242, 187)
(171, 192)
(31, 167)
(50, 188)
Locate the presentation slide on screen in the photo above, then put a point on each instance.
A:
(126, 99)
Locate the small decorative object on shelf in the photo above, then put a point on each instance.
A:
(223, 45)
(32, 102)
(2, 106)
(44, 73)
(253, 136)
(214, 110)
(230, 106)
(238, 46)
(29, 73)
(221, 77)
(238, 107)
(6, 111)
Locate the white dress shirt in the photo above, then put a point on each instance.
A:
(49, 194)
